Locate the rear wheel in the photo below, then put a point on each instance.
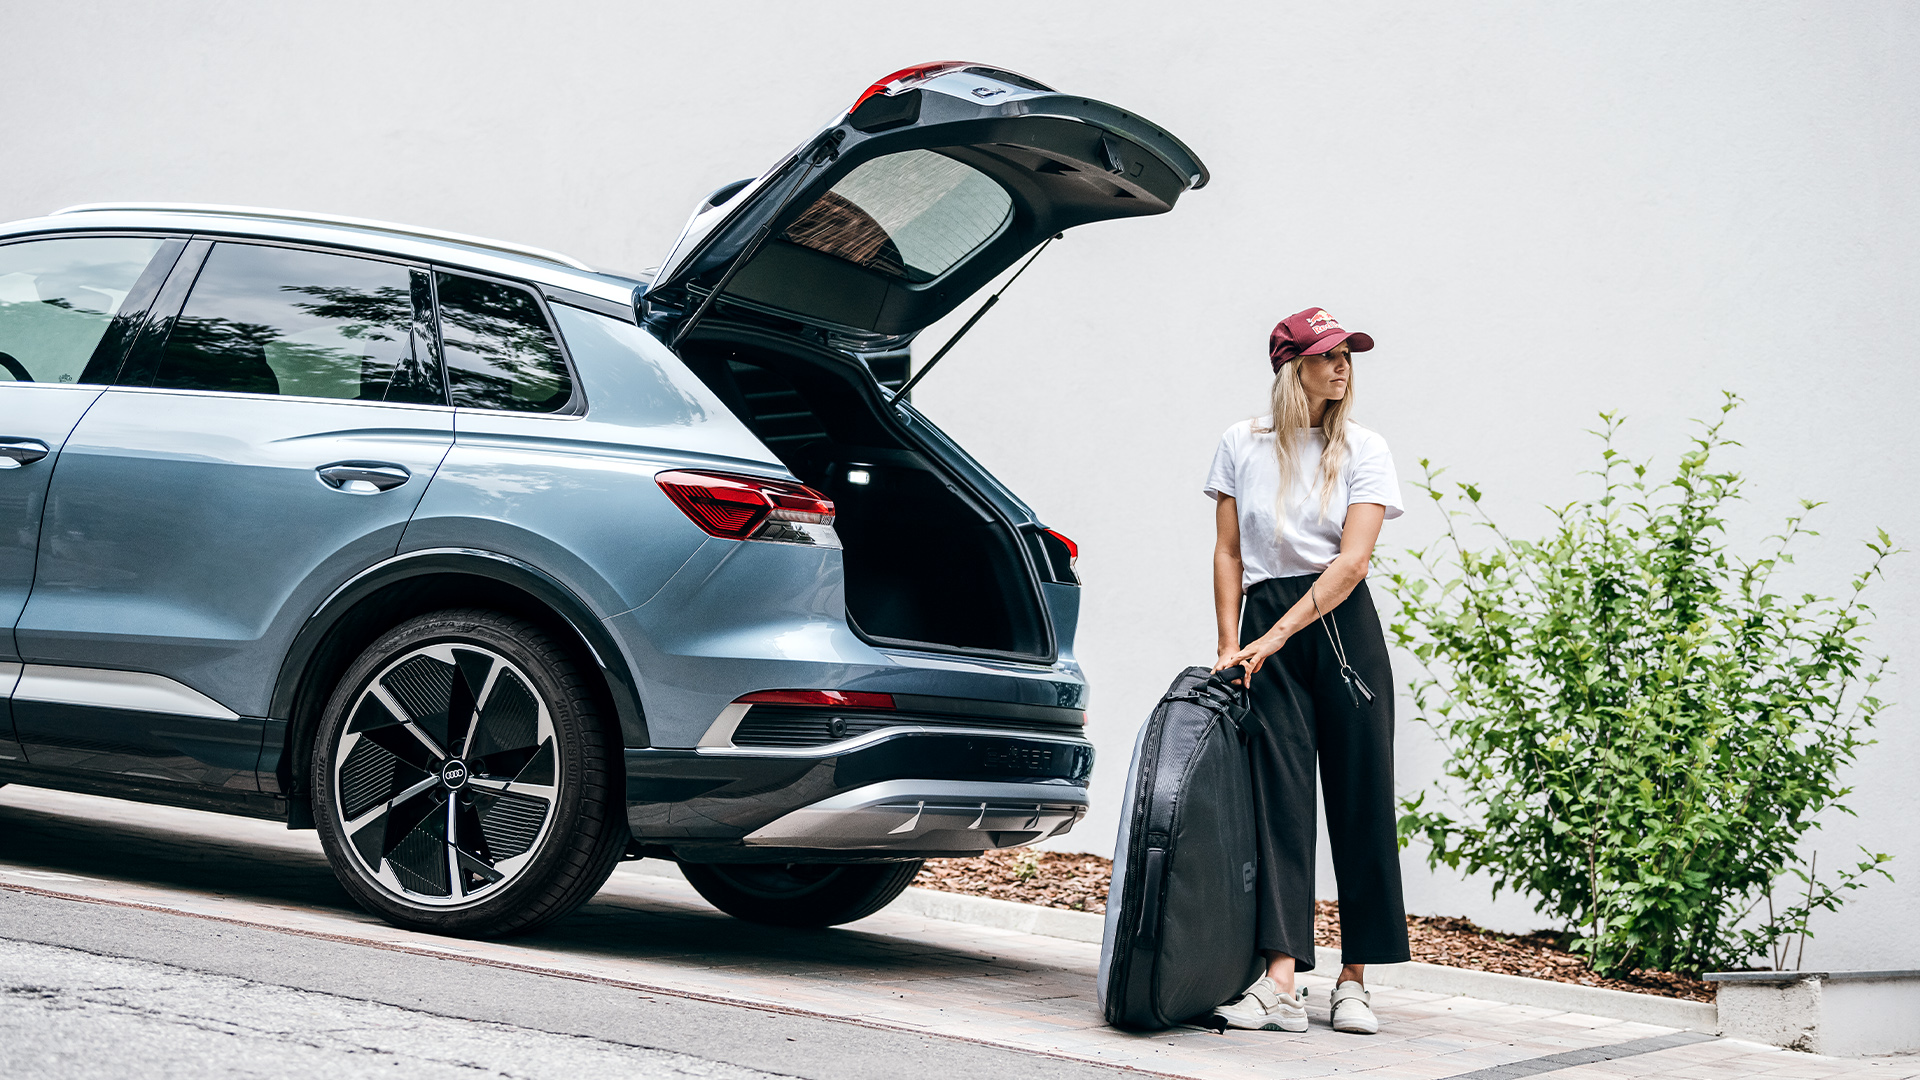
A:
(801, 894)
(462, 778)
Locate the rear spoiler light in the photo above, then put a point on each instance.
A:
(881, 116)
(919, 73)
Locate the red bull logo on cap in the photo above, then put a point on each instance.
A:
(1321, 322)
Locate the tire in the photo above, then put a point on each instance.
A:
(801, 894)
(530, 801)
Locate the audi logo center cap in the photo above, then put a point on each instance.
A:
(454, 774)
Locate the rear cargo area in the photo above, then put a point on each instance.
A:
(928, 564)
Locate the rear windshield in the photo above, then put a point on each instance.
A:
(910, 215)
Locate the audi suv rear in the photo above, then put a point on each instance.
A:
(495, 569)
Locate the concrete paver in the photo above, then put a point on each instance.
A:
(896, 970)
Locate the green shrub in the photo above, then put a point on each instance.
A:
(1640, 731)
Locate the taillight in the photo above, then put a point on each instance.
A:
(1073, 555)
(835, 699)
(735, 507)
(906, 77)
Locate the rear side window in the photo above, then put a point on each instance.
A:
(57, 299)
(910, 215)
(501, 354)
(269, 320)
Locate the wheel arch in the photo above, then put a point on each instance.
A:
(385, 595)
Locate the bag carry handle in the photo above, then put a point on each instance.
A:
(1229, 676)
(1224, 686)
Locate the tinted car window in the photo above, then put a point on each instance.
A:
(909, 215)
(500, 352)
(269, 320)
(57, 298)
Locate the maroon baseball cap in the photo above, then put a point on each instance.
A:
(1310, 333)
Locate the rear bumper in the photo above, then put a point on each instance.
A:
(928, 815)
(905, 792)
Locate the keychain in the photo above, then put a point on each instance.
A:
(1356, 687)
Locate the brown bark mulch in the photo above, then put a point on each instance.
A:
(1079, 883)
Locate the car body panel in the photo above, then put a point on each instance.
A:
(156, 556)
(742, 617)
(48, 415)
(676, 796)
(134, 724)
(575, 495)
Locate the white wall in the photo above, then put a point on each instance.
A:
(1540, 211)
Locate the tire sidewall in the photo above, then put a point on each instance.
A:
(571, 752)
(855, 891)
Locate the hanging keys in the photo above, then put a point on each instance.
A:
(1356, 686)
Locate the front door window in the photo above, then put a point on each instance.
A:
(57, 298)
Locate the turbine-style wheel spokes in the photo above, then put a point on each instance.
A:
(446, 775)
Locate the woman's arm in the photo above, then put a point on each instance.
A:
(1336, 583)
(1226, 578)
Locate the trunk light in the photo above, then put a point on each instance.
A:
(859, 476)
(735, 507)
(833, 699)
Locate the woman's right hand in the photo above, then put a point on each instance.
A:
(1252, 656)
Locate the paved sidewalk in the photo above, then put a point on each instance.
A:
(994, 986)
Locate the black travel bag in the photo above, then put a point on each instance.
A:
(1179, 936)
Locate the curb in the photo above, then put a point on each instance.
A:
(1000, 914)
(1430, 978)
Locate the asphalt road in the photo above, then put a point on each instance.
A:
(97, 990)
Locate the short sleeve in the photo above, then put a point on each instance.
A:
(1373, 479)
(1220, 478)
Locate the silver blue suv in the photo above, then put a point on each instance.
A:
(494, 568)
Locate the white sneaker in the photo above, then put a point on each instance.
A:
(1353, 1010)
(1264, 1008)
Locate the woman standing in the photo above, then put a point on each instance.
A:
(1300, 497)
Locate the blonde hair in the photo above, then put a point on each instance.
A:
(1292, 413)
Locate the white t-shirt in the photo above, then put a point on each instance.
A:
(1244, 466)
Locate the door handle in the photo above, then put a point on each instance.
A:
(362, 477)
(17, 452)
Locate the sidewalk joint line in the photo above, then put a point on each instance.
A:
(1567, 1059)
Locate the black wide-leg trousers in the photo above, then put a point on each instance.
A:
(1301, 711)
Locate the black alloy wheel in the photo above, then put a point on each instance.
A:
(801, 894)
(462, 778)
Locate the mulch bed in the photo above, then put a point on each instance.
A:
(1079, 883)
